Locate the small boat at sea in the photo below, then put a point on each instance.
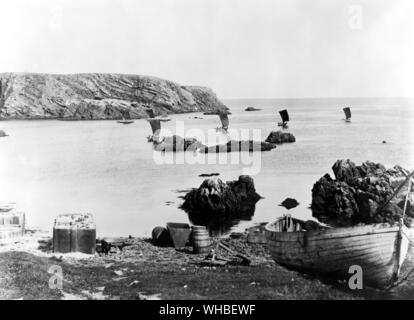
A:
(379, 249)
(347, 111)
(224, 118)
(126, 118)
(285, 119)
(155, 124)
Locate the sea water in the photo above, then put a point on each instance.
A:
(50, 167)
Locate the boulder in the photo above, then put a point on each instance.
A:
(215, 197)
(358, 193)
(279, 137)
(2, 133)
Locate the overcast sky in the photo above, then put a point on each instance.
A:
(240, 48)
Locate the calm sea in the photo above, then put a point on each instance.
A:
(52, 167)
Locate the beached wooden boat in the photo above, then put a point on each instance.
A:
(378, 249)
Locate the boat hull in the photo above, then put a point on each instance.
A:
(378, 249)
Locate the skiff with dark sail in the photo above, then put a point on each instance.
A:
(155, 124)
(224, 119)
(285, 118)
(347, 111)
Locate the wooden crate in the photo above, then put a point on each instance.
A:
(12, 226)
(74, 233)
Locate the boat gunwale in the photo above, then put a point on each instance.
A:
(331, 233)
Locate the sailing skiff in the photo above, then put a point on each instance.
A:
(285, 118)
(378, 249)
(347, 111)
(224, 119)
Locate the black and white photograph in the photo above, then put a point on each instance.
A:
(213, 150)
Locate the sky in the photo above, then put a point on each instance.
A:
(239, 48)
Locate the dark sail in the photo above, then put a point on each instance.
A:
(284, 114)
(155, 126)
(224, 120)
(150, 113)
(347, 111)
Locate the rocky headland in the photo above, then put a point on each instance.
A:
(98, 96)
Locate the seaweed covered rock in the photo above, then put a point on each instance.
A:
(215, 197)
(279, 137)
(359, 194)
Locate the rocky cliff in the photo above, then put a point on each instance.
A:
(97, 96)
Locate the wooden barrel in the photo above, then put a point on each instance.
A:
(74, 233)
(201, 240)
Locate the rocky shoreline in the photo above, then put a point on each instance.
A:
(142, 271)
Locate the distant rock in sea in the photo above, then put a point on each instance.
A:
(3, 133)
(252, 109)
(237, 146)
(279, 137)
(208, 175)
(176, 144)
(98, 96)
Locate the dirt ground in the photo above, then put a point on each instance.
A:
(144, 271)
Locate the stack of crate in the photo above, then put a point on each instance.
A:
(12, 226)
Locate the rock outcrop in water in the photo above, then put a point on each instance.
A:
(2, 134)
(176, 144)
(214, 197)
(98, 96)
(359, 195)
(279, 137)
(252, 109)
(237, 146)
